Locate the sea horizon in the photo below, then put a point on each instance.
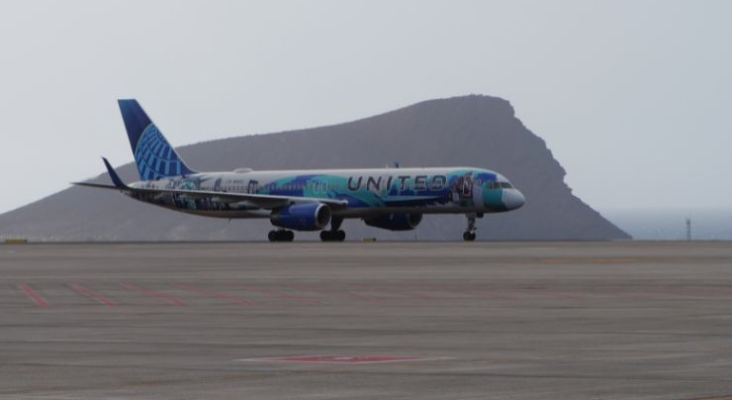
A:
(671, 223)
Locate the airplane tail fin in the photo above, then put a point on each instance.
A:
(154, 156)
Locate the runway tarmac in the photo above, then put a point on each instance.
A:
(625, 320)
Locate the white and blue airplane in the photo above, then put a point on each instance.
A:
(306, 200)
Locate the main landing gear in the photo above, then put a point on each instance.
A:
(281, 235)
(334, 234)
(469, 234)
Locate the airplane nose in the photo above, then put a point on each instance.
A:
(513, 199)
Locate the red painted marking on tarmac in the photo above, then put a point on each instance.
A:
(634, 292)
(715, 290)
(33, 295)
(600, 291)
(211, 293)
(338, 359)
(535, 291)
(337, 292)
(649, 292)
(85, 291)
(484, 293)
(666, 291)
(468, 291)
(401, 292)
(696, 290)
(562, 295)
(154, 294)
(301, 299)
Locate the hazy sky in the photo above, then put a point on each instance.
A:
(634, 98)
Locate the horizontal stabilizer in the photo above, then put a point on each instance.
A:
(113, 175)
(118, 183)
(98, 185)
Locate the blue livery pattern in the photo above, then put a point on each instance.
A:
(154, 156)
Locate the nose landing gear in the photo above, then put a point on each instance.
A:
(469, 234)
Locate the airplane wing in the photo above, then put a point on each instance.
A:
(265, 201)
(256, 200)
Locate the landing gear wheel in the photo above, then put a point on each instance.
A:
(281, 236)
(332, 236)
(469, 234)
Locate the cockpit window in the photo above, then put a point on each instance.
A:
(505, 185)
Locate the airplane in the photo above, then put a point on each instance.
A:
(306, 200)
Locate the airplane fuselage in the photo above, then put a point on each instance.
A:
(368, 192)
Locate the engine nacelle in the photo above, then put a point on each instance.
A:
(395, 222)
(302, 217)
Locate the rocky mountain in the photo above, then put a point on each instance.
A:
(479, 131)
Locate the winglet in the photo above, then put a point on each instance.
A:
(113, 175)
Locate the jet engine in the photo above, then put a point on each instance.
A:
(395, 222)
(302, 217)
